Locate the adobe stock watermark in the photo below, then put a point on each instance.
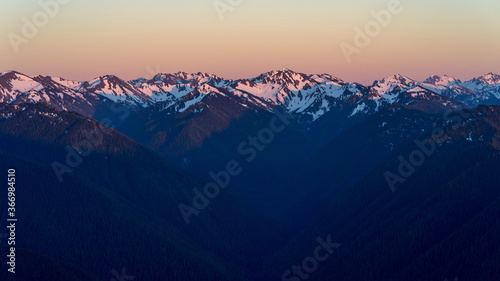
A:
(31, 26)
(121, 276)
(363, 37)
(309, 265)
(425, 149)
(225, 6)
(152, 72)
(249, 149)
(86, 146)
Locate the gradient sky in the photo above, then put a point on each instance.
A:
(89, 38)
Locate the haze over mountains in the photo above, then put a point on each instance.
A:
(313, 151)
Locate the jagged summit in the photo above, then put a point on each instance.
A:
(490, 79)
(444, 80)
(309, 95)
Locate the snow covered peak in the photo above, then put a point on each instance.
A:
(490, 79)
(276, 85)
(285, 72)
(14, 75)
(284, 76)
(105, 81)
(308, 95)
(279, 71)
(209, 89)
(67, 83)
(398, 78)
(487, 83)
(388, 84)
(9, 72)
(193, 76)
(116, 89)
(327, 79)
(14, 82)
(159, 79)
(444, 80)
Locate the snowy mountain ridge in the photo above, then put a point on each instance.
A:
(308, 95)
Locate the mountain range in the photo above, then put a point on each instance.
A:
(104, 166)
(308, 96)
(317, 101)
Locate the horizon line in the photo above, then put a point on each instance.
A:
(247, 78)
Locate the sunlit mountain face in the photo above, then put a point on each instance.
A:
(231, 140)
(287, 176)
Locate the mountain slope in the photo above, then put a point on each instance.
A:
(430, 227)
(309, 96)
(465, 92)
(206, 136)
(117, 194)
(352, 154)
